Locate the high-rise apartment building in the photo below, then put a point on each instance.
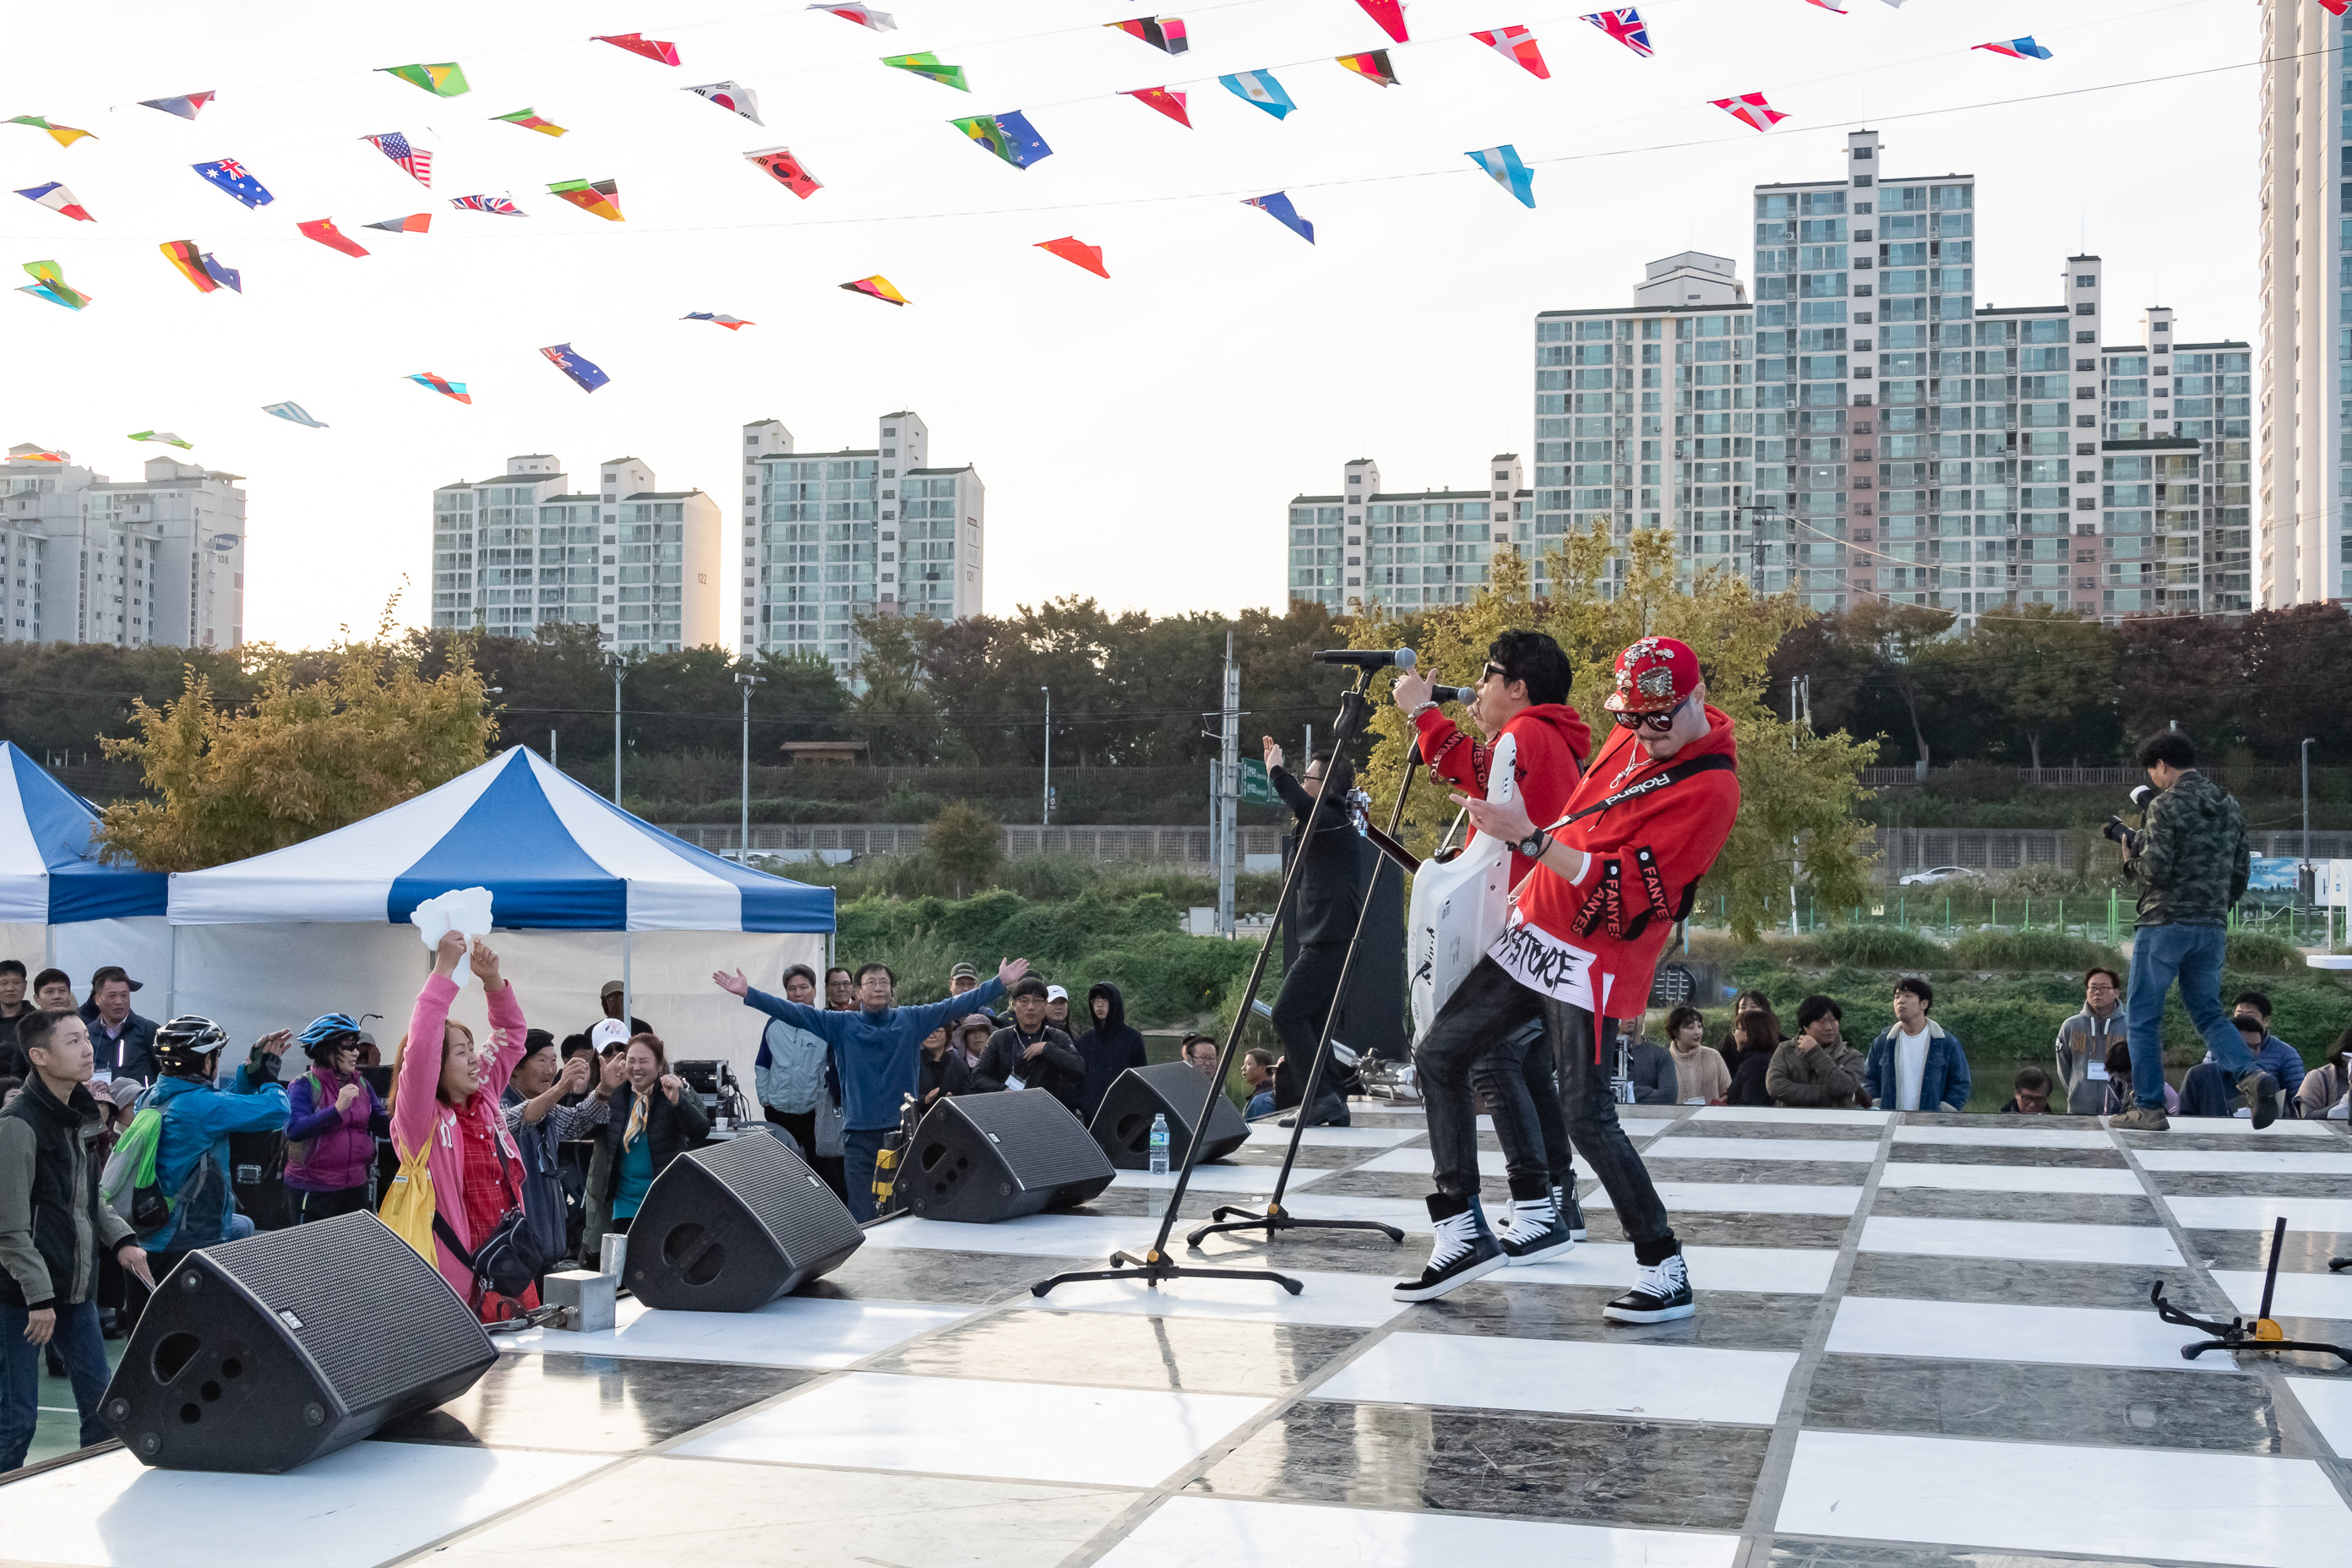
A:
(1404, 550)
(830, 536)
(1646, 416)
(639, 563)
(2305, 550)
(157, 560)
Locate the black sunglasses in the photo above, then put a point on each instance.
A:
(1657, 724)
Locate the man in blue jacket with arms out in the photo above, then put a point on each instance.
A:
(876, 1051)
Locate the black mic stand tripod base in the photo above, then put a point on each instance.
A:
(2263, 1335)
(1155, 1265)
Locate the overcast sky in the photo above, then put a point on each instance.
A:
(1138, 437)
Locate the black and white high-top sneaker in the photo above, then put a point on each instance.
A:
(1572, 1213)
(1536, 1232)
(1463, 1249)
(1660, 1295)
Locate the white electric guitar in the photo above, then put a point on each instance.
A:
(1461, 897)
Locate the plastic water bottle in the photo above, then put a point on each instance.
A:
(1160, 1145)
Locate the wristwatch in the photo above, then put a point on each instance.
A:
(1535, 844)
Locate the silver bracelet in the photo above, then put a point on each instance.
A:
(1417, 712)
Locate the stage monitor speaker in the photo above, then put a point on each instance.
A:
(262, 1354)
(1122, 1127)
(980, 1158)
(730, 1227)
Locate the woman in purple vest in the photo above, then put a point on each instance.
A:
(332, 1123)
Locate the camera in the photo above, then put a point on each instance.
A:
(2119, 831)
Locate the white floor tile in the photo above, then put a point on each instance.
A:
(2329, 1401)
(2009, 1178)
(1788, 1271)
(1849, 1150)
(799, 1330)
(1265, 1135)
(2298, 1295)
(1224, 1178)
(765, 1516)
(2011, 1134)
(1037, 1235)
(2291, 1127)
(959, 1426)
(1194, 1529)
(1791, 1113)
(1408, 1215)
(1347, 1300)
(1752, 1197)
(2174, 1506)
(365, 1504)
(2265, 1160)
(1418, 1162)
(2023, 1239)
(1664, 1383)
(1974, 1330)
(2262, 1214)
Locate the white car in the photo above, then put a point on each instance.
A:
(1937, 874)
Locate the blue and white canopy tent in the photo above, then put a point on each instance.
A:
(59, 904)
(582, 892)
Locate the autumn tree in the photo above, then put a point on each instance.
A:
(1906, 640)
(2039, 667)
(328, 739)
(966, 845)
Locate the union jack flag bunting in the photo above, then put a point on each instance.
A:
(498, 204)
(1626, 26)
(415, 160)
(1750, 108)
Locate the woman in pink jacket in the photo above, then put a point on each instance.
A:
(446, 1091)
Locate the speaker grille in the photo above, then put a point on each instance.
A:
(783, 1194)
(1041, 1142)
(379, 1321)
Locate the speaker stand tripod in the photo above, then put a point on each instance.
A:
(1155, 1265)
(1277, 1218)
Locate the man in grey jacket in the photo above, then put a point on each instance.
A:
(2085, 1039)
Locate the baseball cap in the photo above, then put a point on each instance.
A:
(113, 972)
(612, 988)
(608, 1031)
(1055, 994)
(963, 971)
(1654, 675)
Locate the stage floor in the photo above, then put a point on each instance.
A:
(1919, 1339)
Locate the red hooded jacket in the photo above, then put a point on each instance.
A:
(1548, 743)
(1595, 941)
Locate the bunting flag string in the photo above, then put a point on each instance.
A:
(500, 205)
(415, 160)
(1749, 108)
(229, 177)
(1260, 89)
(1390, 15)
(1165, 34)
(864, 15)
(927, 65)
(163, 437)
(2015, 49)
(584, 372)
(1372, 66)
(324, 231)
(1277, 205)
(877, 288)
(1010, 136)
(719, 317)
(787, 170)
(731, 96)
(1828, 5)
(602, 197)
(653, 50)
(446, 387)
(49, 283)
(530, 121)
(187, 106)
(1077, 252)
(1509, 171)
(58, 199)
(200, 269)
(63, 135)
(443, 81)
(1516, 44)
(414, 223)
(1166, 99)
(294, 413)
(1626, 26)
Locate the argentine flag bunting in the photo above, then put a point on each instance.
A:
(1261, 88)
(1509, 171)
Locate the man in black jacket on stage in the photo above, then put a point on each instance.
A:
(1328, 899)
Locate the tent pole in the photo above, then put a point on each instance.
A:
(628, 998)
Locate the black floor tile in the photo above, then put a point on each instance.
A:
(2242, 1183)
(2057, 1208)
(1765, 1173)
(2306, 1251)
(924, 1274)
(608, 1405)
(2004, 1154)
(2026, 1402)
(1127, 1349)
(1727, 1320)
(2011, 1280)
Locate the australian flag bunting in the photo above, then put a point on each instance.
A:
(230, 176)
(584, 372)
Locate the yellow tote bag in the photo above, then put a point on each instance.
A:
(408, 1206)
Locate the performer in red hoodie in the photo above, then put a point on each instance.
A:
(1533, 752)
(1612, 876)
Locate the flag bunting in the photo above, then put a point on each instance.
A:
(1509, 170)
(1165, 34)
(1166, 99)
(442, 80)
(294, 413)
(414, 223)
(928, 66)
(1390, 15)
(787, 170)
(185, 106)
(732, 97)
(653, 50)
(49, 283)
(164, 437)
(58, 199)
(530, 121)
(1750, 108)
(877, 288)
(1626, 26)
(324, 231)
(1372, 66)
(415, 160)
(1261, 88)
(1077, 252)
(229, 175)
(864, 15)
(446, 387)
(719, 317)
(602, 197)
(63, 135)
(2027, 49)
(1519, 44)
(1279, 206)
(583, 372)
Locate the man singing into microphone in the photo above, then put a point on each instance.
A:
(1534, 751)
(1611, 877)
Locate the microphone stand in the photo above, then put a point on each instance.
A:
(1277, 1218)
(1155, 1265)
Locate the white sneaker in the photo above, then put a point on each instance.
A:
(1536, 1232)
(1462, 1250)
(1662, 1294)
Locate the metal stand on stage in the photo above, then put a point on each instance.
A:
(1155, 1265)
(1277, 1219)
(2263, 1335)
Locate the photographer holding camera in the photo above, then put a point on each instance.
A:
(2190, 860)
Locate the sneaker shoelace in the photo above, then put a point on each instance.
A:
(1454, 1236)
(1664, 1279)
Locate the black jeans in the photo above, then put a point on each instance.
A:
(1308, 987)
(311, 1207)
(1470, 1054)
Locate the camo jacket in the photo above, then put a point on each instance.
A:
(2193, 861)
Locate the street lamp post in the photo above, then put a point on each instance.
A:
(1046, 818)
(743, 836)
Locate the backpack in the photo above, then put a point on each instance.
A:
(128, 1183)
(298, 1150)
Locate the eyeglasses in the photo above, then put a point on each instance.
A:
(1656, 723)
(1498, 671)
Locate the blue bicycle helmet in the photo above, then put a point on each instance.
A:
(329, 1034)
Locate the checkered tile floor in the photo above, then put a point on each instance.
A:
(1919, 1339)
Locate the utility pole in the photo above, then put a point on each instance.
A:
(551, 749)
(743, 835)
(2307, 799)
(1045, 817)
(1228, 788)
(617, 668)
(1795, 929)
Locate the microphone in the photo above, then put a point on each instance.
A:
(1368, 657)
(1453, 693)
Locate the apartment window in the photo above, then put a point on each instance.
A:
(2085, 310)
(2087, 337)
(2085, 280)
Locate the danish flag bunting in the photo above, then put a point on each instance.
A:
(1516, 44)
(1750, 108)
